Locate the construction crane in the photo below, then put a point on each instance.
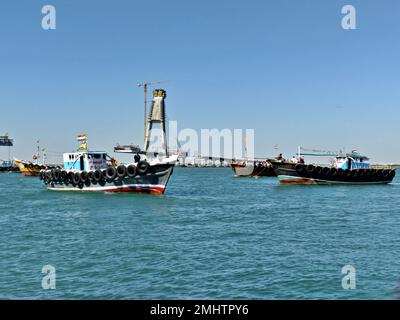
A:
(145, 85)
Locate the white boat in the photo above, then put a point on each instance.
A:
(95, 171)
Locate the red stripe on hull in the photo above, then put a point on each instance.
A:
(301, 181)
(152, 190)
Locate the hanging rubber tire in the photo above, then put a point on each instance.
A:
(90, 176)
(70, 177)
(49, 176)
(76, 178)
(392, 174)
(97, 176)
(57, 175)
(131, 171)
(64, 176)
(111, 173)
(318, 170)
(142, 167)
(326, 171)
(84, 176)
(310, 169)
(379, 173)
(346, 173)
(121, 171)
(340, 172)
(333, 172)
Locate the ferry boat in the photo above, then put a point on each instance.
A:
(96, 171)
(253, 168)
(350, 168)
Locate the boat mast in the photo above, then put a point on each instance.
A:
(38, 151)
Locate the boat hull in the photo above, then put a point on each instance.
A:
(154, 183)
(241, 170)
(290, 173)
(28, 169)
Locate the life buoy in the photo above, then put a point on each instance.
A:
(131, 171)
(142, 167)
(111, 173)
(121, 171)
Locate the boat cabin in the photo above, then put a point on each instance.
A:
(352, 161)
(85, 160)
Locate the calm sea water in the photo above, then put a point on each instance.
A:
(211, 236)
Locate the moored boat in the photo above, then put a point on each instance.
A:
(28, 168)
(7, 166)
(252, 168)
(347, 169)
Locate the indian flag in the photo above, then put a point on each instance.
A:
(82, 137)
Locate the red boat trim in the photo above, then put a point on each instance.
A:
(153, 190)
(302, 181)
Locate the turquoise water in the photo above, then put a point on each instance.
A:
(211, 236)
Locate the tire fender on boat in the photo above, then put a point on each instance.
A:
(131, 171)
(121, 171)
(142, 167)
(111, 173)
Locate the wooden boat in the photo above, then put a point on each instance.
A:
(347, 169)
(253, 169)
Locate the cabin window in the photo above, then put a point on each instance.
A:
(97, 156)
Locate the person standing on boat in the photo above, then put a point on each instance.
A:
(136, 158)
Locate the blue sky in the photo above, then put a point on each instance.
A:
(285, 68)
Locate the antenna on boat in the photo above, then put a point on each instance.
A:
(145, 85)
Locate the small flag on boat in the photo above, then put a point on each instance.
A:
(82, 137)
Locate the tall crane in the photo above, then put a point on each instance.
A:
(145, 85)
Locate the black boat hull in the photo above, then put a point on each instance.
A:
(291, 173)
(241, 170)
